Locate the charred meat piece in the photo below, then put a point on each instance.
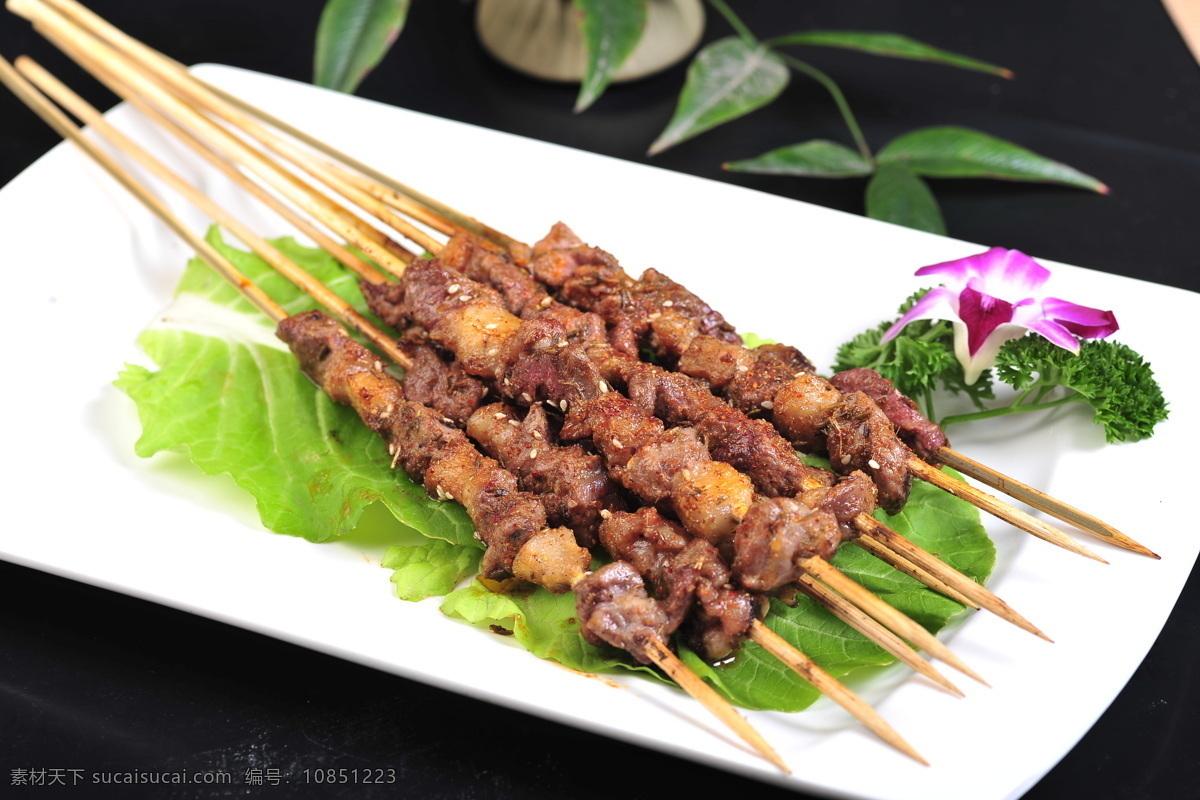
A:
(573, 484)
(918, 432)
(860, 437)
(801, 410)
(688, 576)
(777, 533)
(482, 261)
(658, 465)
(442, 385)
(541, 364)
(852, 495)
(750, 446)
(786, 356)
(591, 279)
(614, 609)
(722, 614)
(558, 255)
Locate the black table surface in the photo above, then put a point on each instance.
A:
(93, 680)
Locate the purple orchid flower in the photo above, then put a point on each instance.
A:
(993, 297)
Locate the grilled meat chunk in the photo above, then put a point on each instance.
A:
(573, 484)
(653, 305)
(777, 533)
(442, 385)
(860, 437)
(688, 576)
(615, 609)
(659, 465)
(918, 432)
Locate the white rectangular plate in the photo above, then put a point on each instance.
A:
(87, 269)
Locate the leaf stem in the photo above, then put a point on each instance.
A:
(838, 98)
(736, 23)
(1014, 409)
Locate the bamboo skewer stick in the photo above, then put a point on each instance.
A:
(129, 81)
(868, 626)
(665, 659)
(899, 562)
(968, 588)
(77, 106)
(158, 62)
(55, 89)
(1040, 500)
(691, 683)
(825, 683)
(176, 75)
(892, 618)
(998, 508)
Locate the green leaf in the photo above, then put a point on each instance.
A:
(891, 45)
(542, 622)
(230, 395)
(352, 37)
(430, 569)
(814, 159)
(950, 152)
(896, 194)
(611, 31)
(726, 80)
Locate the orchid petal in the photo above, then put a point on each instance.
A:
(982, 314)
(926, 308)
(1055, 332)
(1085, 321)
(999, 272)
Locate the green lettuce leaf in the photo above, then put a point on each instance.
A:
(229, 395)
(431, 568)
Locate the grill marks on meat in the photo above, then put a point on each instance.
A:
(862, 438)
(573, 484)
(689, 578)
(433, 452)
(918, 432)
